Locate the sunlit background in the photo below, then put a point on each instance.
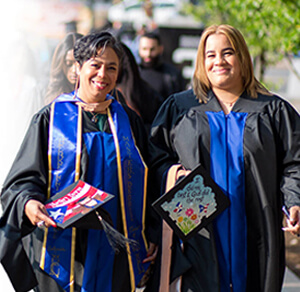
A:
(31, 29)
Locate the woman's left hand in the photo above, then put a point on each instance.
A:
(152, 253)
(293, 223)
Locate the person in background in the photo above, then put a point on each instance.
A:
(139, 95)
(162, 76)
(248, 139)
(85, 135)
(63, 73)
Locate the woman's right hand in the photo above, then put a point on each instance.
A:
(293, 222)
(182, 172)
(37, 214)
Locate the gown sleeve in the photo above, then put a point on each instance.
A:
(162, 153)
(287, 122)
(26, 180)
(162, 157)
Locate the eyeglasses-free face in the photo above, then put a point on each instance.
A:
(222, 65)
(70, 67)
(98, 76)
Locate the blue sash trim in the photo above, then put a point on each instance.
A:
(64, 146)
(134, 175)
(227, 169)
(102, 173)
(58, 250)
(68, 97)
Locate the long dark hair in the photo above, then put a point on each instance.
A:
(130, 80)
(138, 93)
(58, 81)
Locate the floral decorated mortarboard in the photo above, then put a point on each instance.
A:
(192, 203)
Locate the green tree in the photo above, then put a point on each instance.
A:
(271, 27)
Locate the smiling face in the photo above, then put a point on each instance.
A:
(222, 65)
(98, 76)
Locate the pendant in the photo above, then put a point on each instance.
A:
(95, 118)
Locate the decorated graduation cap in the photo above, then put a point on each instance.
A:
(79, 205)
(192, 203)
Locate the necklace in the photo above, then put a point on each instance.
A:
(230, 104)
(95, 108)
(227, 106)
(95, 117)
(98, 107)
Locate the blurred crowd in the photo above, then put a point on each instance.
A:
(42, 69)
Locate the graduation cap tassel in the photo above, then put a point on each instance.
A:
(116, 239)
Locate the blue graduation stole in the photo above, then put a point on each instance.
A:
(116, 167)
(227, 169)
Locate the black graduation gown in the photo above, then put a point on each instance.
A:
(271, 150)
(165, 78)
(28, 179)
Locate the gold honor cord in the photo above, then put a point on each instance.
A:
(144, 195)
(114, 132)
(144, 207)
(77, 174)
(50, 139)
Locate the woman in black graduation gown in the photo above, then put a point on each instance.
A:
(83, 135)
(248, 139)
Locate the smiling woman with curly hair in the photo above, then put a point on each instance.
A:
(87, 135)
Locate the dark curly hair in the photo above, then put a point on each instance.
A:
(89, 46)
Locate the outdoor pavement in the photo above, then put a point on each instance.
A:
(291, 282)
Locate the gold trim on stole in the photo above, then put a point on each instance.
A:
(144, 194)
(114, 132)
(43, 252)
(144, 207)
(77, 175)
(50, 139)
